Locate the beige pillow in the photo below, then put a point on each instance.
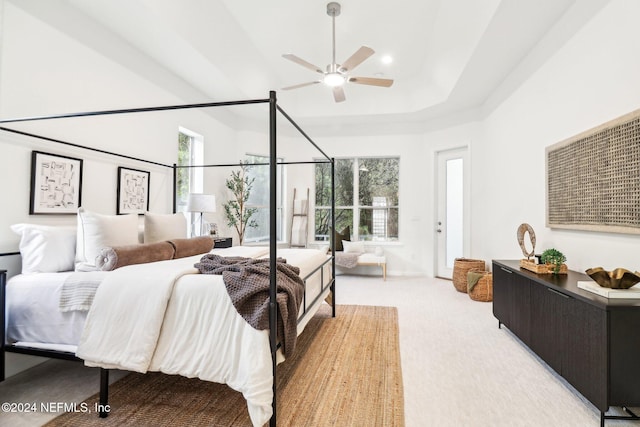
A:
(96, 231)
(161, 227)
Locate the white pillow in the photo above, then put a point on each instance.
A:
(353, 247)
(45, 248)
(96, 231)
(161, 227)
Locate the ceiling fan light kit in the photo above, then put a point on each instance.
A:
(333, 79)
(336, 75)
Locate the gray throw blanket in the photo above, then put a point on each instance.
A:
(247, 283)
(347, 259)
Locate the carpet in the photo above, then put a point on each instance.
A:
(345, 372)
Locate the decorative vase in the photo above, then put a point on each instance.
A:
(619, 278)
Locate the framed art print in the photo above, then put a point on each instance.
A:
(56, 184)
(133, 191)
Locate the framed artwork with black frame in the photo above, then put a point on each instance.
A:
(56, 184)
(133, 191)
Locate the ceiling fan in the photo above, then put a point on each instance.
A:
(336, 74)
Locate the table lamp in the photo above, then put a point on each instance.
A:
(198, 202)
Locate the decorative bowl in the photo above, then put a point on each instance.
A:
(619, 278)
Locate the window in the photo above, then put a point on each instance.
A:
(189, 180)
(259, 198)
(366, 198)
(343, 197)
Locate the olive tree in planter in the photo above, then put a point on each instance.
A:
(236, 211)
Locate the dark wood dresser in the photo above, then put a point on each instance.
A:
(591, 341)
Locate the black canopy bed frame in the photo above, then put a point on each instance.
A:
(274, 108)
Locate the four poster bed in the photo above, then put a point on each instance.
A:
(189, 323)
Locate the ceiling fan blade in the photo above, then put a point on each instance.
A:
(301, 85)
(338, 94)
(300, 61)
(357, 58)
(372, 81)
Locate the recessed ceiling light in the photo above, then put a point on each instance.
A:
(387, 59)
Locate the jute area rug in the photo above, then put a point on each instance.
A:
(345, 372)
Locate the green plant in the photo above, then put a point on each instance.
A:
(236, 211)
(554, 257)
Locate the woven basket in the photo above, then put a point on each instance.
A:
(461, 267)
(483, 290)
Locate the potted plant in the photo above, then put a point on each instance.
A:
(236, 211)
(554, 257)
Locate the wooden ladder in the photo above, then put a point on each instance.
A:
(299, 222)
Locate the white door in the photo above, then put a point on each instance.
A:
(452, 209)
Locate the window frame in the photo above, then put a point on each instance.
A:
(280, 192)
(356, 207)
(195, 176)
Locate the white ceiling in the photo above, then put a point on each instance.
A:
(449, 56)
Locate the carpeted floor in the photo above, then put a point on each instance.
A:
(345, 372)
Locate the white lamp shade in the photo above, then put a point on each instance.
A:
(198, 202)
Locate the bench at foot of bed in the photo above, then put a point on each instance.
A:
(368, 259)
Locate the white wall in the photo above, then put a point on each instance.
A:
(413, 253)
(44, 71)
(592, 79)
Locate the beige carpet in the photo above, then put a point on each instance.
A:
(345, 371)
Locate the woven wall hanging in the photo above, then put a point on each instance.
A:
(593, 179)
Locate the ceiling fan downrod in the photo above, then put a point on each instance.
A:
(333, 10)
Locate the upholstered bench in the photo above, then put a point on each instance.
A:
(353, 254)
(370, 259)
(348, 261)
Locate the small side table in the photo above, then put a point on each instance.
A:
(222, 242)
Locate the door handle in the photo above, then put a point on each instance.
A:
(558, 293)
(438, 230)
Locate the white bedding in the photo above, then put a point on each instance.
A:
(33, 313)
(181, 334)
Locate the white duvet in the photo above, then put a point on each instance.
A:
(164, 317)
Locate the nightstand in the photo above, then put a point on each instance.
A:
(222, 242)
